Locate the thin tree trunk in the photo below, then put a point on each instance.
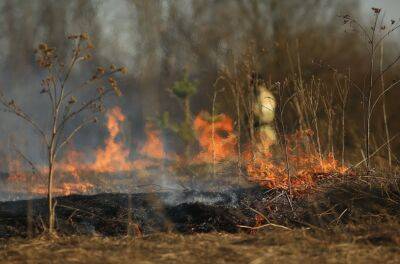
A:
(188, 121)
(52, 156)
(50, 197)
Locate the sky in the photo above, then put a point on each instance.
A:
(391, 8)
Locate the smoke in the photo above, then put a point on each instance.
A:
(226, 198)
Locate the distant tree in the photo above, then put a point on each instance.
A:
(183, 90)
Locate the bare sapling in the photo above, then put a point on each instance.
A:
(70, 107)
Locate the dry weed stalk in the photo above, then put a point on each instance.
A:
(238, 79)
(343, 89)
(375, 35)
(283, 102)
(384, 111)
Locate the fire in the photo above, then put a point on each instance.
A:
(67, 188)
(15, 169)
(152, 152)
(218, 143)
(115, 156)
(72, 164)
(153, 147)
(216, 137)
(301, 164)
(34, 182)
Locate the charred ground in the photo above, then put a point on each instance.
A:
(353, 219)
(337, 202)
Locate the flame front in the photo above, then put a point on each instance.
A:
(217, 141)
(72, 170)
(298, 169)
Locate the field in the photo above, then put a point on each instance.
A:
(268, 246)
(190, 131)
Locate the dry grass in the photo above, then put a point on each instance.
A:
(269, 246)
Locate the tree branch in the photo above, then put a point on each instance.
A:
(72, 134)
(12, 108)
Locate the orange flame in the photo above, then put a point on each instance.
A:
(115, 156)
(152, 151)
(72, 164)
(112, 158)
(302, 165)
(153, 147)
(216, 137)
(68, 170)
(35, 182)
(217, 141)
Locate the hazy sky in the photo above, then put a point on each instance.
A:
(390, 7)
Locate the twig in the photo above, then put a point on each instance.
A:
(262, 226)
(376, 151)
(340, 216)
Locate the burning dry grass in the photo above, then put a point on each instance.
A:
(112, 158)
(298, 169)
(79, 172)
